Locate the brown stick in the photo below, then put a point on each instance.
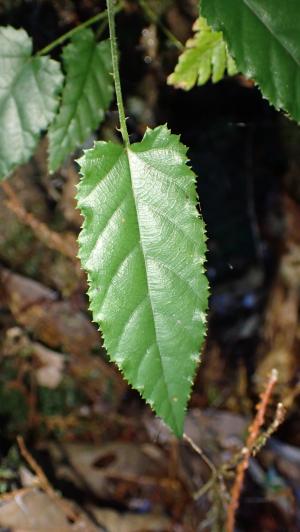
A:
(43, 481)
(243, 465)
(16, 493)
(50, 238)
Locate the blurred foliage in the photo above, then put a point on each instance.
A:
(23, 402)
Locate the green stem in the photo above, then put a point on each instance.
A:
(151, 15)
(116, 74)
(60, 40)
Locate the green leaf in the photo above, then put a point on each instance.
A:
(28, 97)
(205, 56)
(263, 36)
(143, 247)
(87, 94)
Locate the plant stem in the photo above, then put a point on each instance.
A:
(151, 15)
(116, 74)
(60, 40)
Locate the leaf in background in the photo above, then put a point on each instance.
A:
(86, 95)
(264, 37)
(143, 247)
(28, 97)
(205, 56)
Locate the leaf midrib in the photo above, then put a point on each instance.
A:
(270, 29)
(129, 153)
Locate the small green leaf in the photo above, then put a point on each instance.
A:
(264, 38)
(87, 94)
(28, 97)
(143, 247)
(205, 56)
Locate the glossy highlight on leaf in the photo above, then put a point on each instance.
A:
(87, 94)
(263, 36)
(28, 97)
(143, 247)
(205, 56)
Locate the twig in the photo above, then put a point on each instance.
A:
(204, 489)
(43, 481)
(262, 439)
(247, 451)
(215, 484)
(216, 477)
(16, 493)
(201, 453)
(50, 238)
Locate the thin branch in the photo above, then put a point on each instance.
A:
(247, 450)
(201, 453)
(13, 494)
(50, 238)
(43, 481)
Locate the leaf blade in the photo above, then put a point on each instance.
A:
(149, 301)
(205, 56)
(28, 97)
(263, 37)
(87, 94)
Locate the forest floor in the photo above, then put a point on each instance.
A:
(79, 450)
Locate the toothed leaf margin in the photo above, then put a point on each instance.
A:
(143, 247)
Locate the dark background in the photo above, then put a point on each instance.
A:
(246, 157)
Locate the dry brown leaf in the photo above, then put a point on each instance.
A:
(126, 522)
(34, 510)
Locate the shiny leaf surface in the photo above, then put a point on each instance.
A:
(143, 247)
